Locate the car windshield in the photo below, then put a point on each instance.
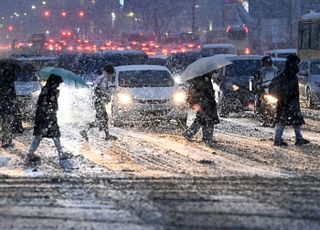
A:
(315, 68)
(145, 78)
(241, 70)
(26, 76)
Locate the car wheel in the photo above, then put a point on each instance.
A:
(310, 104)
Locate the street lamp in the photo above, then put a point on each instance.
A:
(113, 18)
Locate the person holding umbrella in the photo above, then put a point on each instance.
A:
(46, 122)
(201, 96)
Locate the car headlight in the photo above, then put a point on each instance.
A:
(270, 99)
(180, 98)
(124, 99)
(235, 87)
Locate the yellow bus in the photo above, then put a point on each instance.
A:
(309, 36)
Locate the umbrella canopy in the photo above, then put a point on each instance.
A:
(66, 75)
(204, 65)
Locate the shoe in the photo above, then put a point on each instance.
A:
(110, 138)
(84, 135)
(65, 156)
(33, 159)
(186, 136)
(209, 143)
(302, 142)
(7, 145)
(280, 143)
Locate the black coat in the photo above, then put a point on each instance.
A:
(8, 99)
(46, 122)
(286, 89)
(201, 93)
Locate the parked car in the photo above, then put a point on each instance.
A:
(213, 49)
(280, 53)
(309, 82)
(28, 88)
(147, 93)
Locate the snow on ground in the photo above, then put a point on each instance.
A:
(243, 147)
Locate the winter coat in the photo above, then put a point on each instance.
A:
(201, 93)
(8, 99)
(46, 122)
(286, 88)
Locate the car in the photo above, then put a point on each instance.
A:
(309, 82)
(178, 62)
(147, 93)
(280, 53)
(89, 65)
(213, 49)
(232, 91)
(28, 87)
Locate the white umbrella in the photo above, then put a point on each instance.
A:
(204, 65)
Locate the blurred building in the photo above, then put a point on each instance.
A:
(277, 22)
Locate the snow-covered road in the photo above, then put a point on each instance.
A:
(243, 147)
(152, 178)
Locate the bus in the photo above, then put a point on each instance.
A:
(309, 37)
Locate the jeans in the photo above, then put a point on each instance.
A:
(36, 142)
(279, 131)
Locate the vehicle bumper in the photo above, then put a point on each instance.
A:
(138, 112)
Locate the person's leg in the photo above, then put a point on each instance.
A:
(207, 132)
(7, 132)
(58, 145)
(299, 138)
(33, 147)
(278, 141)
(194, 128)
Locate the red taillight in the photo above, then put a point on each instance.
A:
(228, 29)
(246, 29)
(247, 50)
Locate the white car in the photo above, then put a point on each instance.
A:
(280, 53)
(147, 93)
(27, 88)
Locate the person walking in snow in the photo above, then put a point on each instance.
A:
(201, 98)
(285, 88)
(46, 122)
(102, 96)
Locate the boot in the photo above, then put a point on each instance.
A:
(302, 142)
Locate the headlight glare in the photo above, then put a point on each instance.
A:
(124, 99)
(270, 99)
(180, 98)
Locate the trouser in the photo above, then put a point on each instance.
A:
(6, 122)
(207, 126)
(279, 132)
(36, 142)
(102, 119)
